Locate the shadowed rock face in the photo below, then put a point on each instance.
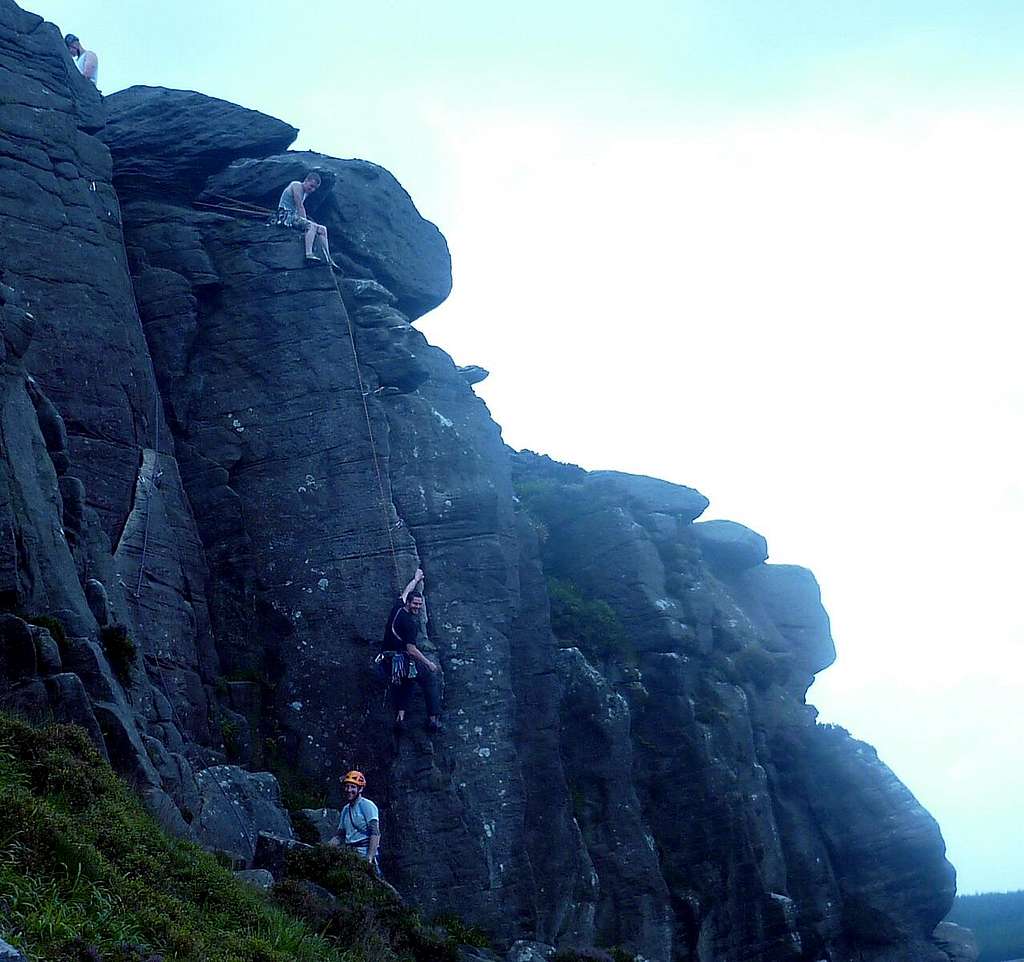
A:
(191, 452)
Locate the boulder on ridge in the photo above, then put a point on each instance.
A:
(172, 140)
(651, 494)
(730, 546)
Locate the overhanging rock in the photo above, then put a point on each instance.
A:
(172, 140)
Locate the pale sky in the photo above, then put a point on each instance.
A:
(766, 248)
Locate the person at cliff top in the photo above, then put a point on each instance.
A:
(359, 825)
(408, 665)
(291, 212)
(86, 61)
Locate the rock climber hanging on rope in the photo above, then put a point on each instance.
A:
(402, 664)
(291, 212)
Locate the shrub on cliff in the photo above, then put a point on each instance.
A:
(363, 915)
(590, 624)
(119, 649)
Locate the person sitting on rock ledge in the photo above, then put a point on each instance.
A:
(86, 61)
(359, 825)
(291, 212)
(399, 652)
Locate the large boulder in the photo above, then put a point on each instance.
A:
(650, 494)
(172, 140)
(235, 806)
(272, 851)
(956, 941)
(786, 601)
(370, 218)
(8, 953)
(730, 546)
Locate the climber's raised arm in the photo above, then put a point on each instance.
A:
(412, 585)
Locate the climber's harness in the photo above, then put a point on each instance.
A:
(401, 665)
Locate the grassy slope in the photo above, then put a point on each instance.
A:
(86, 874)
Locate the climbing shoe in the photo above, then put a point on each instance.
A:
(313, 259)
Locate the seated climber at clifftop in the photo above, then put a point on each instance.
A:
(291, 212)
(86, 61)
(402, 663)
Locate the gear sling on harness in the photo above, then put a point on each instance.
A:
(402, 666)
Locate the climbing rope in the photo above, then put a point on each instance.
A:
(254, 214)
(239, 204)
(388, 528)
(233, 206)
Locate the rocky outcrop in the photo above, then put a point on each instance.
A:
(235, 807)
(957, 942)
(702, 716)
(171, 140)
(219, 466)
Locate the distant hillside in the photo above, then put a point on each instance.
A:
(997, 919)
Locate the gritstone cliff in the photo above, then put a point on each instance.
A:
(198, 539)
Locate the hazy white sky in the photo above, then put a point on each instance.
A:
(766, 248)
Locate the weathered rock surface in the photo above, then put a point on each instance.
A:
(323, 821)
(526, 951)
(8, 953)
(729, 546)
(258, 878)
(271, 852)
(214, 471)
(172, 140)
(235, 808)
(473, 373)
(957, 942)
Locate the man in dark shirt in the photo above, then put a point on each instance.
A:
(409, 666)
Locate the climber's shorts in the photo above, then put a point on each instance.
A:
(285, 218)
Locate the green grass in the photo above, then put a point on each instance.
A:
(87, 876)
(368, 918)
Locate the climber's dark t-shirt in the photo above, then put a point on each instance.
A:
(404, 624)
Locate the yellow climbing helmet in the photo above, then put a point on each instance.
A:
(355, 778)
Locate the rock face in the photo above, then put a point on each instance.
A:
(235, 462)
(172, 140)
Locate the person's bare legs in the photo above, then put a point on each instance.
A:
(310, 236)
(324, 246)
